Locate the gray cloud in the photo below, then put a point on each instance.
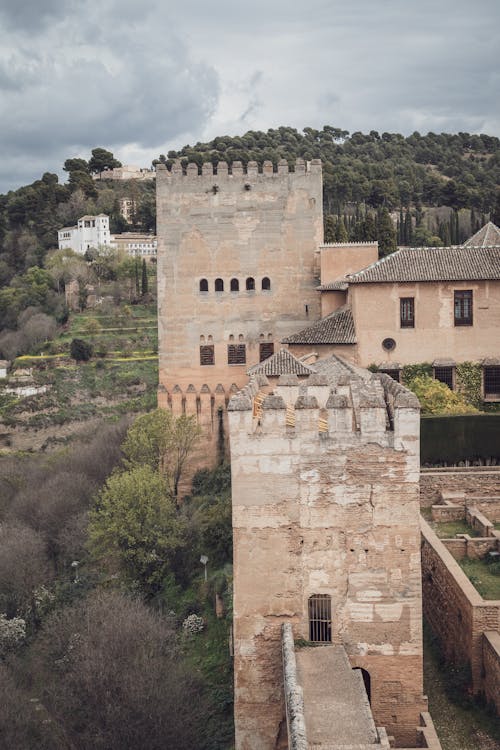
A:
(143, 78)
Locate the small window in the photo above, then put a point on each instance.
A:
(491, 381)
(207, 354)
(444, 375)
(407, 312)
(203, 285)
(266, 284)
(235, 285)
(250, 284)
(266, 349)
(219, 285)
(463, 307)
(236, 354)
(320, 618)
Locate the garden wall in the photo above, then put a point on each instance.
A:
(479, 484)
(452, 439)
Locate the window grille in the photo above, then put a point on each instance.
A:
(266, 284)
(407, 312)
(266, 349)
(207, 354)
(492, 381)
(203, 285)
(463, 307)
(236, 354)
(444, 375)
(250, 284)
(320, 618)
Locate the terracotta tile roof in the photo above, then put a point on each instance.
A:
(340, 285)
(281, 363)
(433, 264)
(487, 236)
(336, 328)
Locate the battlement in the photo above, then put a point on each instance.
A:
(373, 410)
(237, 169)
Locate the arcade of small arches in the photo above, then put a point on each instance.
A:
(234, 285)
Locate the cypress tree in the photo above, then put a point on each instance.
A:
(137, 285)
(408, 228)
(457, 229)
(144, 280)
(401, 228)
(386, 233)
(340, 231)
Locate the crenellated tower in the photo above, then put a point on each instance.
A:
(238, 266)
(325, 476)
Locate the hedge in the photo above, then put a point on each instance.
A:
(450, 439)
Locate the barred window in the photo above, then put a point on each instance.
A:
(407, 312)
(463, 307)
(266, 349)
(444, 375)
(236, 354)
(207, 354)
(320, 618)
(491, 381)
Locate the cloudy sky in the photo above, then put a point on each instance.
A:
(143, 76)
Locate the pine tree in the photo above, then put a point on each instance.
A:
(144, 280)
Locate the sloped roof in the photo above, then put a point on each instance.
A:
(281, 363)
(464, 263)
(487, 236)
(336, 328)
(339, 285)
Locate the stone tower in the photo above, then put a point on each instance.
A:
(326, 532)
(237, 272)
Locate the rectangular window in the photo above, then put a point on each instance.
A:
(320, 618)
(236, 354)
(491, 381)
(463, 307)
(207, 355)
(407, 312)
(444, 375)
(266, 349)
(394, 374)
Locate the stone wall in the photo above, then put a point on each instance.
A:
(473, 482)
(327, 508)
(457, 613)
(491, 668)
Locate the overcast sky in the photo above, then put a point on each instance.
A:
(143, 76)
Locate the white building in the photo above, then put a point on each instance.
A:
(90, 231)
(136, 244)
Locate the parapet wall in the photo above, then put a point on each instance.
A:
(238, 169)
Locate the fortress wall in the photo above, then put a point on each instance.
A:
(335, 513)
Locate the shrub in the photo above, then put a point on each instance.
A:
(193, 624)
(12, 633)
(80, 350)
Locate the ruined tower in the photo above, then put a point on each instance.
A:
(237, 272)
(326, 537)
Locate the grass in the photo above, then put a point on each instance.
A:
(460, 723)
(485, 576)
(449, 529)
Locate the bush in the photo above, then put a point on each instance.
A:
(81, 350)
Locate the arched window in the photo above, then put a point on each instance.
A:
(219, 285)
(266, 284)
(235, 285)
(250, 284)
(203, 285)
(320, 618)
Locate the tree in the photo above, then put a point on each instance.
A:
(162, 442)
(134, 528)
(144, 280)
(80, 350)
(436, 398)
(386, 233)
(76, 165)
(102, 160)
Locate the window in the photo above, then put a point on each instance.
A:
(491, 380)
(207, 354)
(266, 349)
(266, 284)
(236, 354)
(463, 307)
(394, 373)
(235, 285)
(219, 285)
(407, 312)
(250, 284)
(320, 618)
(444, 375)
(203, 285)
